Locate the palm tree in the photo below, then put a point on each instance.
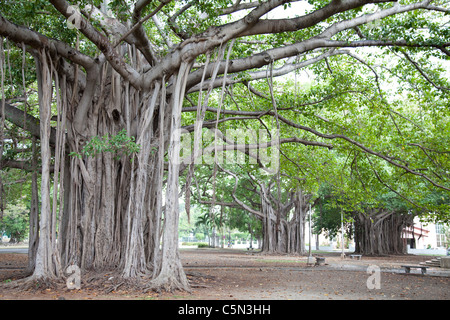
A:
(210, 224)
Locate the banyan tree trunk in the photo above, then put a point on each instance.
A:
(380, 233)
(47, 261)
(297, 223)
(110, 213)
(289, 235)
(269, 241)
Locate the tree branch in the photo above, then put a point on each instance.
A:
(118, 30)
(285, 69)
(36, 40)
(418, 68)
(22, 165)
(320, 41)
(239, 202)
(390, 188)
(116, 61)
(31, 124)
(337, 136)
(286, 25)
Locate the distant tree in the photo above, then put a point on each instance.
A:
(328, 214)
(376, 227)
(15, 222)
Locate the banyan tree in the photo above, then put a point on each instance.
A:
(112, 77)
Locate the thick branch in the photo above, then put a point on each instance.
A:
(22, 165)
(116, 61)
(285, 69)
(20, 34)
(119, 30)
(322, 40)
(306, 21)
(26, 122)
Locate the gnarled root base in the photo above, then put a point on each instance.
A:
(105, 282)
(33, 283)
(168, 284)
(113, 281)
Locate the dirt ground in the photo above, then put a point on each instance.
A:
(227, 274)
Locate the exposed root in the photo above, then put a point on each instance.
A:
(167, 284)
(34, 284)
(112, 281)
(197, 279)
(109, 282)
(198, 275)
(114, 287)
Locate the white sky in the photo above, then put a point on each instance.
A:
(296, 9)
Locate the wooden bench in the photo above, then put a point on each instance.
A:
(356, 256)
(408, 268)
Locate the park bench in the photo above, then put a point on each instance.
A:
(408, 268)
(320, 261)
(356, 256)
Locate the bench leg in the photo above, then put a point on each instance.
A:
(424, 270)
(407, 270)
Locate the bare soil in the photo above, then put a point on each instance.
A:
(227, 274)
